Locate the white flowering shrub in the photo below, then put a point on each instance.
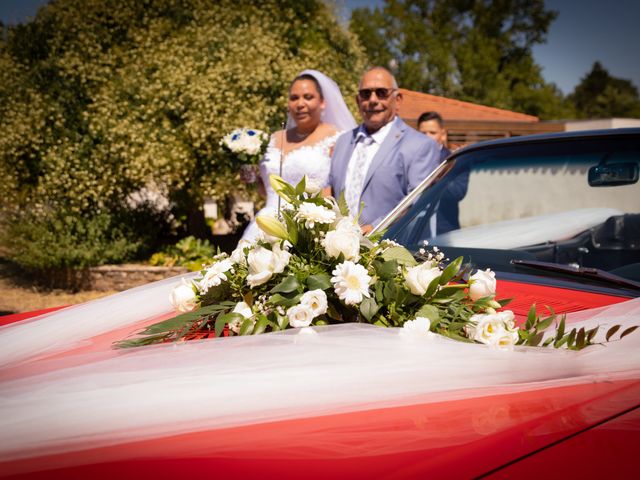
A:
(100, 99)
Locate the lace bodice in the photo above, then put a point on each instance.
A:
(314, 161)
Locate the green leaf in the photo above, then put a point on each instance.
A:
(333, 312)
(560, 332)
(225, 319)
(535, 340)
(611, 332)
(450, 271)
(320, 281)
(580, 339)
(368, 308)
(277, 299)
(387, 270)
(302, 185)
(430, 312)
(571, 338)
(627, 331)
(261, 325)
(342, 205)
(591, 333)
(181, 320)
(390, 291)
(433, 286)
(246, 327)
(547, 342)
(531, 317)
(288, 285)
(292, 227)
(561, 341)
(544, 324)
(400, 254)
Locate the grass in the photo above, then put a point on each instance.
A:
(19, 294)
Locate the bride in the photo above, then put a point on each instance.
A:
(317, 116)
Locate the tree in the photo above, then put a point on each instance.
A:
(476, 51)
(104, 102)
(599, 95)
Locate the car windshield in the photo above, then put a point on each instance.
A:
(573, 202)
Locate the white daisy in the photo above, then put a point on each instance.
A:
(351, 282)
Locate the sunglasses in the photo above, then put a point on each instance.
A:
(381, 93)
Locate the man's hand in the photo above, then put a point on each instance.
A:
(366, 228)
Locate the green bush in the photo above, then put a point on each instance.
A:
(100, 99)
(189, 252)
(61, 240)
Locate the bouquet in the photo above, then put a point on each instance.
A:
(313, 267)
(247, 146)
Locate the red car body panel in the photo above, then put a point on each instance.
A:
(496, 434)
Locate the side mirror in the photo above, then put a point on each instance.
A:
(612, 174)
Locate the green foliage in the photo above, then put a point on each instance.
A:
(599, 95)
(190, 252)
(101, 99)
(533, 332)
(474, 51)
(60, 239)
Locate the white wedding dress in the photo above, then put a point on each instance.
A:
(314, 161)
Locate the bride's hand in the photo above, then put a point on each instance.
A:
(249, 174)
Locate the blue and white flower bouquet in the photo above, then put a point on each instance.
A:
(245, 146)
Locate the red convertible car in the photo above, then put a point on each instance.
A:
(557, 217)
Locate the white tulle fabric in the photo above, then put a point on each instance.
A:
(52, 402)
(314, 161)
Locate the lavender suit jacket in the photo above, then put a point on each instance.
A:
(404, 159)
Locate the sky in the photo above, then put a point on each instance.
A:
(585, 31)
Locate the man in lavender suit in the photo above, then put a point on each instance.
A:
(382, 160)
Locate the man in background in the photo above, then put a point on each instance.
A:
(432, 125)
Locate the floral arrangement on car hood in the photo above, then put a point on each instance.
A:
(313, 267)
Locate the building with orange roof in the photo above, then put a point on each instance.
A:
(468, 122)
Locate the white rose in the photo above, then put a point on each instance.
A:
(483, 284)
(419, 277)
(342, 241)
(263, 263)
(243, 309)
(183, 298)
(300, 316)
(311, 186)
(238, 256)
(419, 326)
(316, 300)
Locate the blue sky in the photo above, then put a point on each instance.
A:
(585, 31)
